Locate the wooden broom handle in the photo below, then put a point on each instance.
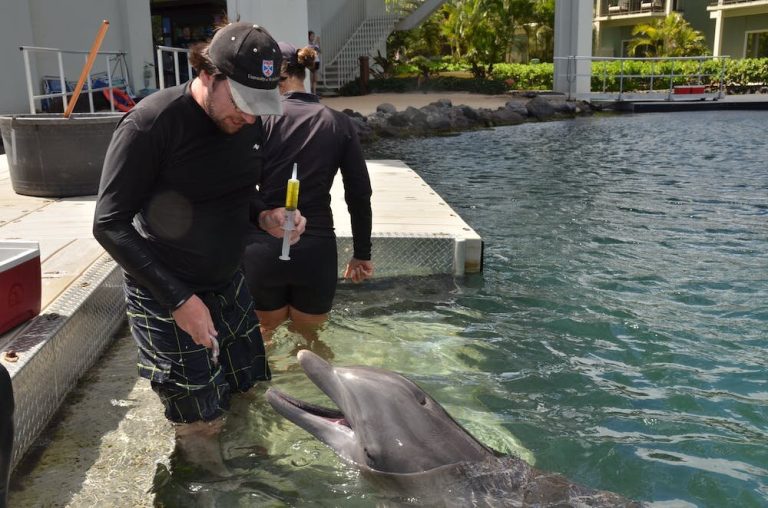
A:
(87, 69)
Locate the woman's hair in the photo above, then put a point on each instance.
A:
(297, 65)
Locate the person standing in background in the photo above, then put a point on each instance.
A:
(320, 141)
(314, 70)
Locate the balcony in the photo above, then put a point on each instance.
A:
(714, 3)
(739, 7)
(629, 7)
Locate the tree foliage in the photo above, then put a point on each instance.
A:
(481, 33)
(669, 36)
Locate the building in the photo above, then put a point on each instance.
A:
(740, 28)
(347, 29)
(735, 28)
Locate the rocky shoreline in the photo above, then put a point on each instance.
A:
(442, 117)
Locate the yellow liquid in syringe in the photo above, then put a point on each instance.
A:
(292, 194)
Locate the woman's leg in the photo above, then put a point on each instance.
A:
(306, 324)
(269, 320)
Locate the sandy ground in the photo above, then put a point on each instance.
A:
(366, 104)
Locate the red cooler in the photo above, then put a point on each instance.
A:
(19, 283)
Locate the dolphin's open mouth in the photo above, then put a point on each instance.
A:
(280, 400)
(329, 425)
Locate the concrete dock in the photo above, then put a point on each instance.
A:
(414, 233)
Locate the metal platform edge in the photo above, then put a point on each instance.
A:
(57, 347)
(417, 254)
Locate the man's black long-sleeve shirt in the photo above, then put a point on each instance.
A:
(174, 198)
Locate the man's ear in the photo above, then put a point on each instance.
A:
(205, 78)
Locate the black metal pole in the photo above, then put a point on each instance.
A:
(364, 71)
(6, 433)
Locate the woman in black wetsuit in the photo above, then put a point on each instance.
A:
(320, 141)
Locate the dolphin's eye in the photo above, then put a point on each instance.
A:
(422, 399)
(369, 457)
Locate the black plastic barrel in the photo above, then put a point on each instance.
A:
(52, 156)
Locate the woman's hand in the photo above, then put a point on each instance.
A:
(272, 222)
(358, 270)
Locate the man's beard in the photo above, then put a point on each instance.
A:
(219, 120)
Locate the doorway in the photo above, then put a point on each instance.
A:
(181, 23)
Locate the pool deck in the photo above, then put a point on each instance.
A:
(703, 102)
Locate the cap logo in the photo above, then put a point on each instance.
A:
(268, 67)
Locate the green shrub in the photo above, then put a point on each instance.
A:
(525, 76)
(638, 75)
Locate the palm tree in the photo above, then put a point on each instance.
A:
(670, 36)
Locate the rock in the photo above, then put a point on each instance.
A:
(469, 113)
(506, 116)
(352, 113)
(442, 117)
(540, 108)
(442, 103)
(438, 122)
(518, 107)
(364, 130)
(398, 120)
(386, 108)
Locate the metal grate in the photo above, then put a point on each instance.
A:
(405, 255)
(58, 346)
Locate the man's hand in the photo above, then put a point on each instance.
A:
(358, 270)
(272, 222)
(194, 318)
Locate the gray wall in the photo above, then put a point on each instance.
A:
(15, 31)
(695, 12)
(69, 25)
(733, 33)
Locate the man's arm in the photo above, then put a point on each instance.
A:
(130, 171)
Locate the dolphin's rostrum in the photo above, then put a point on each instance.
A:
(404, 441)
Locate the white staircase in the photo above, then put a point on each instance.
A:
(358, 30)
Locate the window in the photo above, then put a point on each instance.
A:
(756, 45)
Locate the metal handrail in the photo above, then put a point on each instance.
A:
(698, 76)
(161, 70)
(355, 21)
(118, 56)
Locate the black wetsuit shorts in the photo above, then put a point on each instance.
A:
(307, 282)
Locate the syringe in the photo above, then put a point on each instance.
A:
(291, 203)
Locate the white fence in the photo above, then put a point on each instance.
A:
(116, 77)
(163, 53)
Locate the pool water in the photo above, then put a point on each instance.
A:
(618, 334)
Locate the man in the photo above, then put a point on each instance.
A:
(176, 197)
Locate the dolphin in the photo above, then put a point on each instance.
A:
(406, 442)
(6, 432)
